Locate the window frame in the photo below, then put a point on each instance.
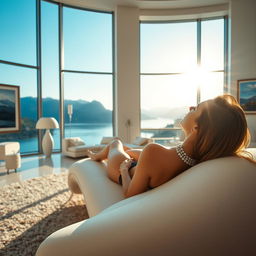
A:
(199, 44)
(61, 71)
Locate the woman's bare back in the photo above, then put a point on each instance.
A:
(160, 164)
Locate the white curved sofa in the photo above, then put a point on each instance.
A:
(209, 210)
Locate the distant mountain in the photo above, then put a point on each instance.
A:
(83, 111)
(7, 113)
(248, 104)
(173, 113)
(7, 103)
(251, 99)
(88, 112)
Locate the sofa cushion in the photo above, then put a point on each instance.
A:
(81, 148)
(252, 151)
(76, 141)
(106, 140)
(140, 141)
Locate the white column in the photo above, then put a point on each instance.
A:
(243, 48)
(127, 88)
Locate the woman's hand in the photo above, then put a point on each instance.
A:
(125, 165)
(124, 170)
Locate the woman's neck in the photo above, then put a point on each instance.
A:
(189, 143)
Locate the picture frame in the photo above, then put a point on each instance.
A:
(246, 95)
(9, 108)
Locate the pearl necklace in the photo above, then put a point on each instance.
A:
(184, 157)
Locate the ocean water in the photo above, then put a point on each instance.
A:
(91, 133)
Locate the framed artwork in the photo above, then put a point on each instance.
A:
(9, 108)
(247, 95)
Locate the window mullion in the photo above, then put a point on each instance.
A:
(225, 54)
(61, 74)
(39, 70)
(199, 53)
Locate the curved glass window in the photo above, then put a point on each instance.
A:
(18, 31)
(50, 66)
(87, 40)
(29, 58)
(88, 75)
(212, 54)
(182, 64)
(168, 47)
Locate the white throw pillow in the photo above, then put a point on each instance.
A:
(106, 140)
(140, 141)
(76, 141)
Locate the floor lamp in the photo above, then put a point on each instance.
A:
(70, 113)
(47, 142)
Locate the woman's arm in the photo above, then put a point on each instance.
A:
(141, 179)
(126, 179)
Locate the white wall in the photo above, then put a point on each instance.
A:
(243, 48)
(127, 89)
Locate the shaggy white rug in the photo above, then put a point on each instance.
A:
(31, 211)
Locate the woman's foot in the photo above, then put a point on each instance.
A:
(94, 156)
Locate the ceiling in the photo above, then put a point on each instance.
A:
(142, 4)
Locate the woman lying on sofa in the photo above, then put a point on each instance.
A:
(215, 128)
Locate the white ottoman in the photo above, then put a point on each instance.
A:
(12, 162)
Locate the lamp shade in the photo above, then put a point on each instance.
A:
(47, 123)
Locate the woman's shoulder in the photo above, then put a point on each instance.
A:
(155, 148)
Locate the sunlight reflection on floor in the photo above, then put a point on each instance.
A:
(35, 166)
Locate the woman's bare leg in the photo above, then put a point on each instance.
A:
(115, 153)
(103, 154)
(99, 156)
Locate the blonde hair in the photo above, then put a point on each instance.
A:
(222, 130)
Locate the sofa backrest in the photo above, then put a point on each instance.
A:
(216, 173)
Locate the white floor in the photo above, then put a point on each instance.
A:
(35, 166)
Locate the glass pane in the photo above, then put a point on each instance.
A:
(212, 85)
(168, 48)
(87, 40)
(50, 66)
(18, 31)
(213, 45)
(27, 80)
(92, 99)
(166, 99)
(167, 138)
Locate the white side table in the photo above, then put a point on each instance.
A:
(12, 162)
